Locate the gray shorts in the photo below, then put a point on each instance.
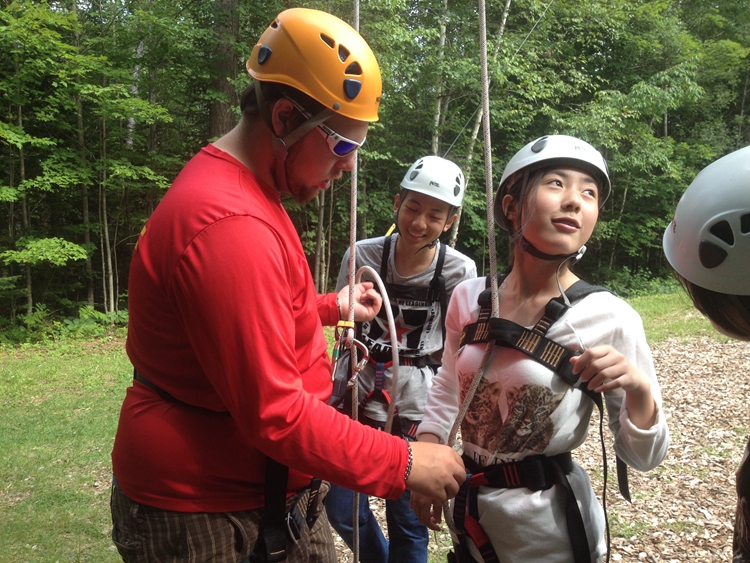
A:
(144, 534)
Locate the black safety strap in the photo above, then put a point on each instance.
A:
(536, 473)
(274, 528)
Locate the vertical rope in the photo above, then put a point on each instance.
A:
(352, 267)
(489, 192)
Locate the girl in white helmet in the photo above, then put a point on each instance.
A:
(419, 273)
(708, 245)
(557, 346)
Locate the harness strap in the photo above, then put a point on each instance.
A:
(536, 473)
(378, 391)
(414, 361)
(531, 342)
(549, 353)
(274, 527)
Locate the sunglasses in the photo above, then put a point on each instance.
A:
(340, 146)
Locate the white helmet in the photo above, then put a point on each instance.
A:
(708, 241)
(552, 150)
(437, 177)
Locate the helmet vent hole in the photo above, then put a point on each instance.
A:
(354, 69)
(711, 255)
(539, 145)
(263, 54)
(343, 53)
(352, 88)
(723, 230)
(328, 41)
(745, 223)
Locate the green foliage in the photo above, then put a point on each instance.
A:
(42, 325)
(108, 104)
(629, 284)
(55, 250)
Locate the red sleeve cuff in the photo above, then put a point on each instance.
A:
(328, 309)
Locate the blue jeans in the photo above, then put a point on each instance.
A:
(408, 536)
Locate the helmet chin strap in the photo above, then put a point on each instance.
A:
(526, 246)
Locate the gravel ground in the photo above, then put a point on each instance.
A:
(684, 509)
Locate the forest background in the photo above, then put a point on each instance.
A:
(104, 101)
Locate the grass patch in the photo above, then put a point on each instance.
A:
(60, 405)
(672, 315)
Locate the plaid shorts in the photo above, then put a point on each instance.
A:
(144, 534)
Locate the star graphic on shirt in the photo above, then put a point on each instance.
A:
(401, 329)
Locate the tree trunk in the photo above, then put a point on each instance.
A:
(740, 143)
(361, 215)
(226, 30)
(109, 296)
(619, 220)
(88, 268)
(319, 256)
(25, 215)
(328, 238)
(477, 125)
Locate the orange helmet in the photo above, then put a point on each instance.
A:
(322, 56)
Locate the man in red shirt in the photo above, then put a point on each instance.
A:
(225, 329)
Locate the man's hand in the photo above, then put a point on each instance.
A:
(437, 472)
(429, 511)
(367, 302)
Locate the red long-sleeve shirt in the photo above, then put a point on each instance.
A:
(224, 316)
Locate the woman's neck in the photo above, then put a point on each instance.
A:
(530, 285)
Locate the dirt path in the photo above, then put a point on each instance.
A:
(683, 510)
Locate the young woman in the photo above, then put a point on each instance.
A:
(708, 245)
(535, 504)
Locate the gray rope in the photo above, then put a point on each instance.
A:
(490, 238)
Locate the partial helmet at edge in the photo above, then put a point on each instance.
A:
(322, 56)
(553, 150)
(436, 177)
(708, 241)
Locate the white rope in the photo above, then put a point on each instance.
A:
(353, 279)
(490, 239)
(353, 356)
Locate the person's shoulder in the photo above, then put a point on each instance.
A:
(470, 289)
(374, 242)
(607, 304)
(459, 257)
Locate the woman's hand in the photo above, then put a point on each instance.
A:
(605, 369)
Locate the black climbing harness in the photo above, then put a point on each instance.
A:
(381, 357)
(535, 472)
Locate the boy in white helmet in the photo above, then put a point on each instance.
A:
(419, 273)
(708, 245)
